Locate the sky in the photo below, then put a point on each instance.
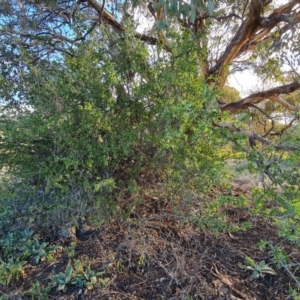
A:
(246, 82)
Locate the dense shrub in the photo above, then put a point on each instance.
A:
(93, 124)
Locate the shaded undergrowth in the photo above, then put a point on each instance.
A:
(155, 252)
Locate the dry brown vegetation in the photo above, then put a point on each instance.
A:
(156, 254)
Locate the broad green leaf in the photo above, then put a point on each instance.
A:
(246, 267)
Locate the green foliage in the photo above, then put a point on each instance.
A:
(258, 270)
(62, 279)
(279, 257)
(229, 94)
(280, 196)
(87, 278)
(15, 249)
(37, 291)
(282, 260)
(295, 294)
(180, 8)
(93, 126)
(79, 276)
(70, 250)
(11, 244)
(214, 217)
(20, 245)
(11, 270)
(38, 251)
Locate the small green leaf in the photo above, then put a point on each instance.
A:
(262, 245)
(250, 261)
(93, 279)
(51, 248)
(193, 15)
(69, 271)
(42, 253)
(43, 245)
(255, 274)
(210, 7)
(36, 259)
(246, 267)
(36, 243)
(261, 264)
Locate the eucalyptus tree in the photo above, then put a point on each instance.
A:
(230, 36)
(116, 90)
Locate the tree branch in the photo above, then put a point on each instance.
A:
(206, 16)
(242, 36)
(267, 22)
(254, 136)
(103, 13)
(263, 37)
(271, 94)
(252, 30)
(267, 116)
(280, 133)
(110, 19)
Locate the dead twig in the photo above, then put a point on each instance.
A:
(229, 283)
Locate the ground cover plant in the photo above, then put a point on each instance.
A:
(118, 127)
(158, 254)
